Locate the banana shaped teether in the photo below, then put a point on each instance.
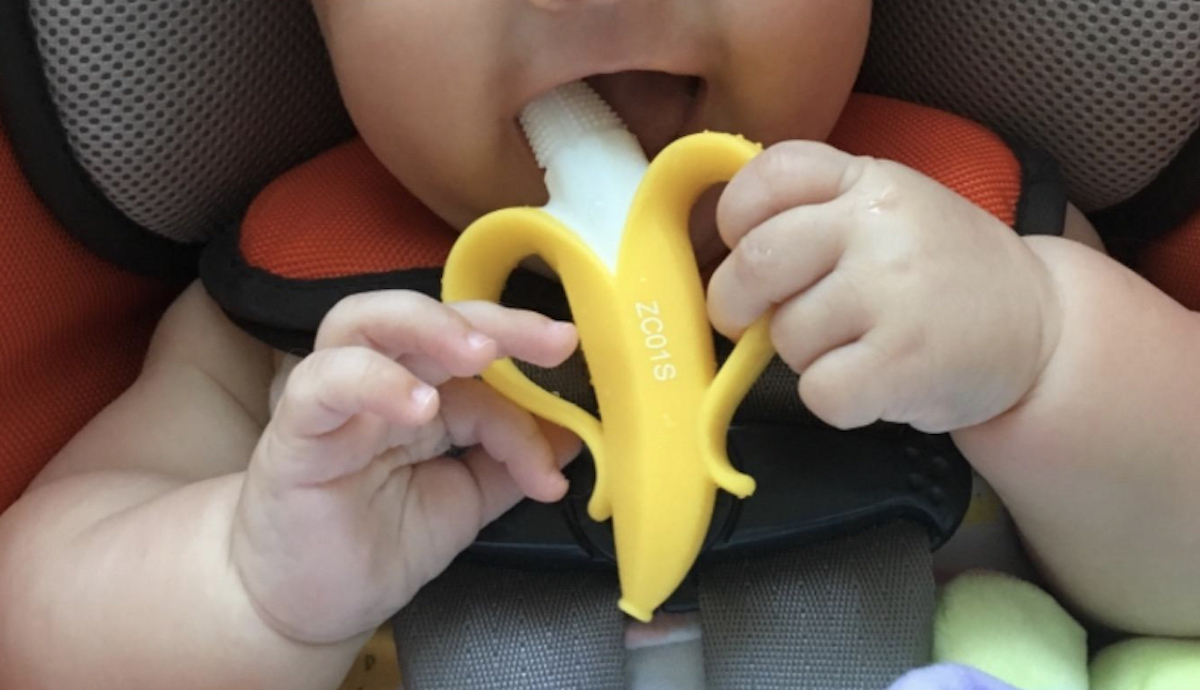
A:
(616, 232)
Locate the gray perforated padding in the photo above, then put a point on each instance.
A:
(1111, 88)
(180, 110)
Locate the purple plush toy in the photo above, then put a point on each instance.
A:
(948, 677)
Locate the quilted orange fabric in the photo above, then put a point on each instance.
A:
(343, 214)
(73, 330)
(1173, 263)
(956, 152)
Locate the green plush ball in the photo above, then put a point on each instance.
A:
(1012, 630)
(1148, 664)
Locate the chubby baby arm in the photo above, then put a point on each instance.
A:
(1068, 381)
(1100, 462)
(147, 555)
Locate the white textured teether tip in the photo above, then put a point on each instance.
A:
(564, 115)
(593, 164)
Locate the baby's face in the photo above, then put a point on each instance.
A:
(435, 86)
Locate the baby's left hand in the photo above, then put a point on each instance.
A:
(898, 300)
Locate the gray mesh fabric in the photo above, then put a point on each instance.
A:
(482, 627)
(850, 614)
(180, 110)
(1111, 88)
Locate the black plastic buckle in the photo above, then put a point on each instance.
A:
(814, 482)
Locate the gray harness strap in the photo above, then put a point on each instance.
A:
(850, 614)
(479, 626)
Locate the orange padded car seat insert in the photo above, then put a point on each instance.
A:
(73, 330)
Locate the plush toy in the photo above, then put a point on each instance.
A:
(997, 632)
(949, 677)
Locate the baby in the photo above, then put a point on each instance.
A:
(192, 536)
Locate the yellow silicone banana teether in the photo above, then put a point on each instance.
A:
(616, 232)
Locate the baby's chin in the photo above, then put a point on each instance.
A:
(461, 196)
(459, 213)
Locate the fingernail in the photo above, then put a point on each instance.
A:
(422, 395)
(479, 341)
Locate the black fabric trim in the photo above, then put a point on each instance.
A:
(44, 152)
(1162, 206)
(285, 313)
(1042, 206)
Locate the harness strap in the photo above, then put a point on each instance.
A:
(479, 626)
(852, 613)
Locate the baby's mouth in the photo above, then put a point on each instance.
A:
(657, 107)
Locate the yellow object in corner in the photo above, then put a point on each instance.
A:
(660, 451)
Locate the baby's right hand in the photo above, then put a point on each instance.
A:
(350, 504)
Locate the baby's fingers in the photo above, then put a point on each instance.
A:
(451, 500)
(783, 256)
(437, 341)
(502, 492)
(402, 324)
(525, 335)
(850, 386)
(474, 413)
(336, 408)
(459, 497)
(787, 175)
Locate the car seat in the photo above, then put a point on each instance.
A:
(136, 135)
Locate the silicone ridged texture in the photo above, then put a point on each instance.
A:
(564, 115)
